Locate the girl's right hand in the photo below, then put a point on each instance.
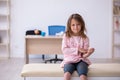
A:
(82, 50)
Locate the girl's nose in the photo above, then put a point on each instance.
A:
(75, 26)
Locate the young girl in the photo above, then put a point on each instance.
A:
(75, 47)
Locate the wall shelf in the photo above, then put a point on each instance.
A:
(5, 28)
(116, 30)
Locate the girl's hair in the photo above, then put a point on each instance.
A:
(78, 18)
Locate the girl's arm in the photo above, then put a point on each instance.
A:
(66, 49)
(85, 46)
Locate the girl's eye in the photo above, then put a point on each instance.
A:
(78, 24)
(73, 24)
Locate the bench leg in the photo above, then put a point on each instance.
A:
(24, 78)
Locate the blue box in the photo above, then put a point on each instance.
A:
(53, 29)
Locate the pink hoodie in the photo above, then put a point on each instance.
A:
(70, 49)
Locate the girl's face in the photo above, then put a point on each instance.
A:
(75, 26)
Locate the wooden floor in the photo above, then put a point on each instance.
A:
(10, 68)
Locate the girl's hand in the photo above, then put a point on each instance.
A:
(82, 50)
(91, 50)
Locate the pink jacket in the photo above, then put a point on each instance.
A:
(70, 49)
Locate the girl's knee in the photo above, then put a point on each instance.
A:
(67, 76)
(83, 77)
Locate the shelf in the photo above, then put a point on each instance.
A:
(117, 45)
(116, 30)
(3, 44)
(116, 5)
(116, 15)
(4, 15)
(5, 28)
(4, 0)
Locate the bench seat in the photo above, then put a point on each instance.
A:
(54, 70)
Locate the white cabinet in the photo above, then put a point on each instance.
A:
(116, 29)
(5, 28)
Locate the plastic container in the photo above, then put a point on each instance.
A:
(54, 29)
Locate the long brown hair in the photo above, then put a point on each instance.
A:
(78, 18)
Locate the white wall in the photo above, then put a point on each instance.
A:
(31, 14)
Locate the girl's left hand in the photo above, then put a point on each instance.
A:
(91, 50)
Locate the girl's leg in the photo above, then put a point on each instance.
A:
(67, 76)
(68, 70)
(82, 69)
(83, 77)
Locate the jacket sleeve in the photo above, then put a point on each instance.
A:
(86, 43)
(66, 49)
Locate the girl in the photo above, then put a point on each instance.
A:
(75, 47)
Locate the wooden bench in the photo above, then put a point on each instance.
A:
(54, 70)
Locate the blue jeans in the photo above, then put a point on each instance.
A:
(81, 68)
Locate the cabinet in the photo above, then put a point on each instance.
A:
(5, 28)
(38, 44)
(116, 29)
